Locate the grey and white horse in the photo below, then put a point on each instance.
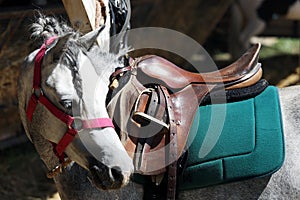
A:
(70, 66)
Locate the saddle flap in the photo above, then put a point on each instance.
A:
(151, 134)
(148, 129)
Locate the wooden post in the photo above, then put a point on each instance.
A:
(83, 15)
(78, 10)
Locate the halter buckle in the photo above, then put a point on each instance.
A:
(77, 124)
(58, 169)
(37, 92)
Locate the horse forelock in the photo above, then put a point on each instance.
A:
(45, 27)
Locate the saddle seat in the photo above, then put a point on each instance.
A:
(242, 73)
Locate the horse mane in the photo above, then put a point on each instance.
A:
(106, 60)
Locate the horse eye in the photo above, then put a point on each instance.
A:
(66, 103)
(56, 58)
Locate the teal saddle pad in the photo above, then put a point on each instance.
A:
(235, 141)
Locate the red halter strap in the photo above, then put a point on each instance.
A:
(70, 121)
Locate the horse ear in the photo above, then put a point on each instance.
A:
(88, 40)
(59, 45)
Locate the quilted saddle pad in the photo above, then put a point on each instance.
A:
(235, 141)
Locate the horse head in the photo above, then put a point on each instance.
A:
(74, 78)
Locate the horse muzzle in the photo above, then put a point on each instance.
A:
(108, 178)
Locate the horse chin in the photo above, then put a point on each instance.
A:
(106, 178)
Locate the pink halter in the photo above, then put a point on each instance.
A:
(39, 97)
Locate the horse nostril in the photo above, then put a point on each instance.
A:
(116, 174)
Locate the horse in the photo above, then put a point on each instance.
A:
(69, 78)
(59, 96)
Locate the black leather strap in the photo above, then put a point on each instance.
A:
(172, 168)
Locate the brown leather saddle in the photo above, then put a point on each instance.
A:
(154, 110)
(241, 73)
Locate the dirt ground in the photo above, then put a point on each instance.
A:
(23, 175)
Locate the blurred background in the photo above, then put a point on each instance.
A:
(225, 28)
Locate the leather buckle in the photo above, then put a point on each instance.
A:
(37, 92)
(77, 124)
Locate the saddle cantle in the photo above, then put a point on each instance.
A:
(159, 116)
